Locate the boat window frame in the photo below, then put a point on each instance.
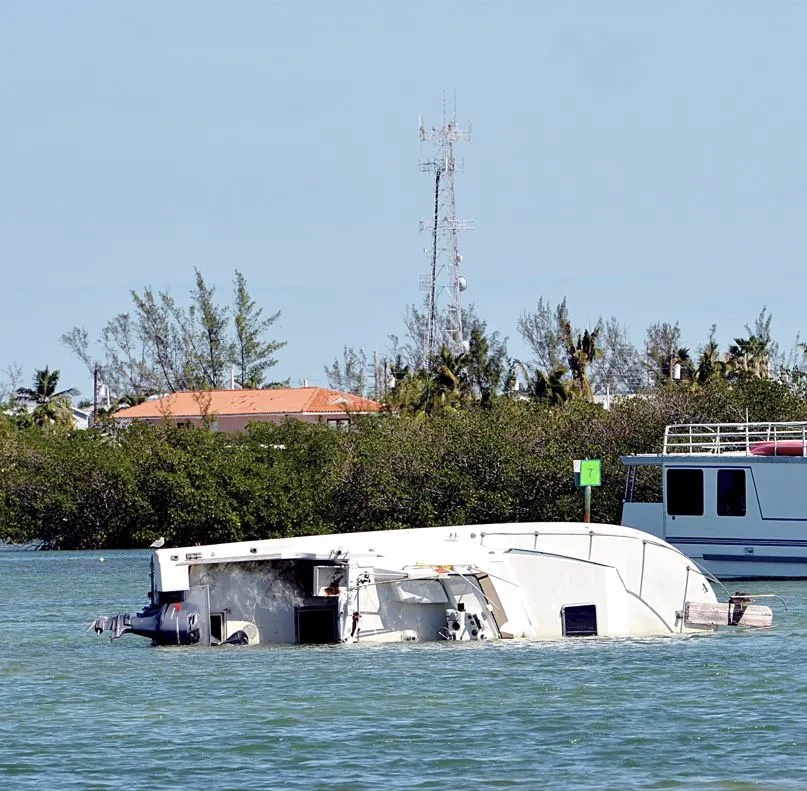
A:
(725, 506)
(684, 502)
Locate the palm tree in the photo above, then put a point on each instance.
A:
(51, 406)
(448, 380)
(709, 363)
(551, 387)
(126, 400)
(580, 355)
(485, 366)
(751, 356)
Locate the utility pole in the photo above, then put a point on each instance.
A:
(444, 254)
(95, 394)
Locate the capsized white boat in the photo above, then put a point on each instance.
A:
(534, 580)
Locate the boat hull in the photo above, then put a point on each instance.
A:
(464, 583)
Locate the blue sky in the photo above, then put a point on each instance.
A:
(646, 160)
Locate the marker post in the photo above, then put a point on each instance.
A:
(587, 473)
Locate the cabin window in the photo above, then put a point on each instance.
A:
(579, 620)
(316, 624)
(685, 492)
(731, 492)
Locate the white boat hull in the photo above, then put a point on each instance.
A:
(465, 583)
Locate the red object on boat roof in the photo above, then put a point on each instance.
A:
(780, 447)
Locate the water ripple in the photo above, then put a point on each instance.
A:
(716, 712)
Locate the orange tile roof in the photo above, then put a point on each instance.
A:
(282, 401)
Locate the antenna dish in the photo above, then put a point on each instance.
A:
(462, 283)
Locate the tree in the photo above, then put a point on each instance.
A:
(415, 351)
(750, 357)
(710, 364)
(619, 368)
(349, 376)
(486, 363)
(125, 369)
(254, 356)
(580, 353)
(213, 351)
(616, 366)
(163, 346)
(443, 386)
(663, 341)
(448, 385)
(542, 329)
(168, 366)
(769, 349)
(550, 387)
(52, 407)
(8, 387)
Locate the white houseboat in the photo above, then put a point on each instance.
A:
(734, 497)
(484, 582)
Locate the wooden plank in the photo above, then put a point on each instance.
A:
(738, 613)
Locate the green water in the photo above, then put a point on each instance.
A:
(715, 712)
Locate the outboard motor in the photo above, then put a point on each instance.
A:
(175, 623)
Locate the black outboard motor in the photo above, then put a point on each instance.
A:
(175, 623)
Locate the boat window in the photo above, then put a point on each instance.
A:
(579, 620)
(316, 624)
(731, 492)
(685, 492)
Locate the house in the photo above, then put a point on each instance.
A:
(231, 410)
(81, 417)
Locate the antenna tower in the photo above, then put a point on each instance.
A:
(444, 253)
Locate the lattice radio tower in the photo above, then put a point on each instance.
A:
(445, 258)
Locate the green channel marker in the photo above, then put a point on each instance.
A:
(590, 472)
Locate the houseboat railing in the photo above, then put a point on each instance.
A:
(768, 439)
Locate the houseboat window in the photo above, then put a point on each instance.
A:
(685, 492)
(731, 492)
(579, 620)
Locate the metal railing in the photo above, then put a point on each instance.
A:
(763, 439)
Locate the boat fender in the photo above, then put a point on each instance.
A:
(237, 638)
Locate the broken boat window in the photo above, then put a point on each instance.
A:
(685, 492)
(731, 492)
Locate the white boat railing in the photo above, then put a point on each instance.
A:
(736, 438)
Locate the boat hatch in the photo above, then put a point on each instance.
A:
(217, 627)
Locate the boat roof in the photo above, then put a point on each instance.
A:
(770, 441)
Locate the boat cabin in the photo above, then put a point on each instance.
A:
(732, 496)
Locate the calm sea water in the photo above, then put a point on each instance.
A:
(76, 711)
